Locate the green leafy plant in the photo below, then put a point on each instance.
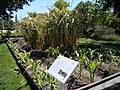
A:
(91, 68)
(23, 57)
(100, 58)
(40, 74)
(91, 54)
(41, 77)
(52, 82)
(34, 65)
(112, 58)
(12, 46)
(81, 56)
(30, 32)
(54, 52)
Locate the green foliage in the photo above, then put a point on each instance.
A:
(91, 68)
(100, 58)
(32, 14)
(22, 55)
(33, 33)
(107, 4)
(87, 57)
(111, 14)
(61, 27)
(52, 82)
(95, 36)
(101, 13)
(81, 56)
(7, 7)
(61, 4)
(16, 22)
(54, 52)
(112, 58)
(88, 15)
(41, 76)
(91, 54)
(33, 30)
(12, 46)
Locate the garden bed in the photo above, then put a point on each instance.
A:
(75, 81)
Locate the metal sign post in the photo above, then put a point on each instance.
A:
(61, 86)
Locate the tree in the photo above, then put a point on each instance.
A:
(113, 6)
(7, 7)
(9, 24)
(16, 22)
(89, 16)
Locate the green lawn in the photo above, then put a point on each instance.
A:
(115, 45)
(10, 79)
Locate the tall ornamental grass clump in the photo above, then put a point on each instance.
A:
(61, 27)
(33, 30)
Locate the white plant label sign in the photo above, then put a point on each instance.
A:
(62, 68)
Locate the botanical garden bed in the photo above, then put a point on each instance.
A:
(88, 34)
(43, 59)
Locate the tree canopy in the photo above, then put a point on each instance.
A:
(7, 7)
(101, 12)
(115, 4)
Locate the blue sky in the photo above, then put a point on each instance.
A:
(41, 6)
